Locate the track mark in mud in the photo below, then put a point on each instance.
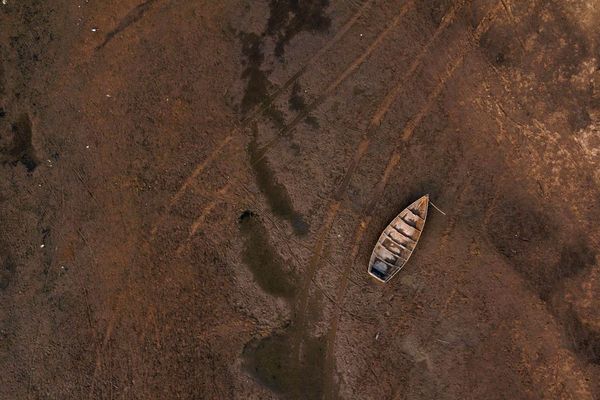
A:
(191, 179)
(198, 222)
(264, 262)
(342, 76)
(199, 169)
(385, 105)
(483, 27)
(217, 198)
(17, 146)
(338, 308)
(102, 349)
(132, 17)
(276, 194)
(318, 250)
(395, 158)
(411, 125)
(268, 101)
(266, 104)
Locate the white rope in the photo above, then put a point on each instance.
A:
(436, 207)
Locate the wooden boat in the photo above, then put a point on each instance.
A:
(398, 240)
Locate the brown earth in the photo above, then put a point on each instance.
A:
(190, 192)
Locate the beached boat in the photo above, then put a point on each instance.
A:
(398, 240)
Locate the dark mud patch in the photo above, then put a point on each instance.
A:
(266, 264)
(516, 228)
(258, 85)
(290, 17)
(132, 17)
(7, 270)
(583, 340)
(436, 9)
(274, 362)
(541, 250)
(287, 18)
(16, 145)
(575, 257)
(245, 215)
(276, 194)
(297, 103)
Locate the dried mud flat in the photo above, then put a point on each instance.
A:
(190, 192)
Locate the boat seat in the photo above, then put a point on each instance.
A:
(413, 219)
(400, 238)
(387, 256)
(406, 229)
(395, 247)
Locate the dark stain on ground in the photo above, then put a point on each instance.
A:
(290, 17)
(245, 215)
(276, 194)
(287, 18)
(574, 258)
(18, 147)
(132, 17)
(529, 240)
(297, 103)
(437, 9)
(515, 227)
(290, 361)
(264, 262)
(584, 340)
(273, 363)
(7, 270)
(258, 85)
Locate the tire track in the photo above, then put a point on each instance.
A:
(198, 222)
(316, 56)
(335, 83)
(393, 161)
(114, 319)
(408, 4)
(259, 109)
(385, 105)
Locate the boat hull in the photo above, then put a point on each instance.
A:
(398, 240)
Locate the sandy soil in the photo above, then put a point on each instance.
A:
(190, 193)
